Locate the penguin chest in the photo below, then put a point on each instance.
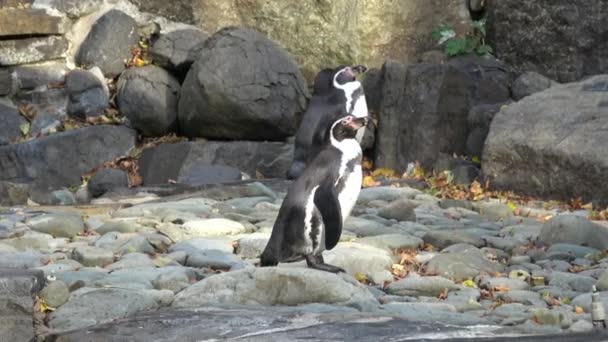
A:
(314, 230)
(348, 187)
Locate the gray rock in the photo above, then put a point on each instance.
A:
(495, 210)
(6, 82)
(10, 129)
(60, 266)
(17, 303)
(80, 153)
(109, 43)
(359, 258)
(584, 300)
(55, 294)
(522, 296)
(529, 83)
(432, 132)
(177, 11)
(575, 230)
(251, 246)
(196, 206)
(242, 86)
(566, 122)
(575, 251)
(581, 326)
(31, 50)
(175, 279)
(45, 123)
(148, 97)
(119, 226)
(109, 304)
(199, 162)
(444, 238)
(286, 286)
(92, 256)
(572, 281)
(425, 312)
(479, 120)
(461, 266)
(72, 8)
(137, 244)
(385, 193)
(214, 259)
(202, 244)
(415, 285)
(363, 227)
(501, 282)
(213, 227)
(602, 282)
(58, 225)
(177, 50)
(86, 93)
(106, 180)
(392, 241)
(400, 210)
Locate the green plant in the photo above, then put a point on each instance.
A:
(473, 41)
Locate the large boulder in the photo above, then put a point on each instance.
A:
(423, 112)
(148, 97)
(61, 159)
(424, 108)
(568, 40)
(198, 163)
(552, 143)
(327, 33)
(242, 86)
(109, 43)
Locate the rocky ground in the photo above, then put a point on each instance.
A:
(409, 256)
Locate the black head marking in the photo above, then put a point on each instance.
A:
(346, 127)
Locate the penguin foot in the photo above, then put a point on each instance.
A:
(313, 262)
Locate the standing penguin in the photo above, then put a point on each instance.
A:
(317, 203)
(336, 93)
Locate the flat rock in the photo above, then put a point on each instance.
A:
(27, 259)
(80, 153)
(363, 227)
(400, 210)
(282, 286)
(359, 258)
(213, 227)
(252, 245)
(502, 282)
(572, 281)
(415, 285)
(462, 265)
(426, 312)
(31, 50)
(214, 259)
(575, 230)
(203, 244)
(92, 256)
(57, 225)
(528, 83)
(385, 193)
(444, 238)
(392, 241)
(25, 22)
(109, 304)
(196, 206)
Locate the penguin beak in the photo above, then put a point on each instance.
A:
(359, 69)
(357, 123)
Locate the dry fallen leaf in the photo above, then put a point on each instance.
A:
(501, 288)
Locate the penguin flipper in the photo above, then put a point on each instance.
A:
(326, 200)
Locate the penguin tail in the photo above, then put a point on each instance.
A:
(268, 258)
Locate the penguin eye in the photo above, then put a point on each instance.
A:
(344, 122)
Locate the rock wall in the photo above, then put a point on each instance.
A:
(328, 33)
(569, 39)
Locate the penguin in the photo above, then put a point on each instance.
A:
(336, 93)
(311, 216)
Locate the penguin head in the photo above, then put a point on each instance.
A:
(347, 127)
(347, 74)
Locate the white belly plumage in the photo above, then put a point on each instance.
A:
(350, 193)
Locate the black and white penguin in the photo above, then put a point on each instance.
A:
(336, 93)
(317, 203)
